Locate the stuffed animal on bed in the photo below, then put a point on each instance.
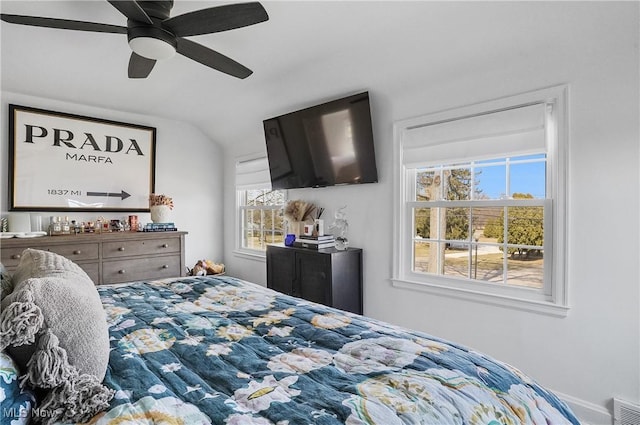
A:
(206, 267)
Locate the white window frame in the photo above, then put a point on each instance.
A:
(258, 181)
(553, 297)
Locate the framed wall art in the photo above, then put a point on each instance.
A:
(66, 162)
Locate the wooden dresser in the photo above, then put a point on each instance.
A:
(109, 257)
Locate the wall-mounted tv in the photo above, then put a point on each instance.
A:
(324, 145)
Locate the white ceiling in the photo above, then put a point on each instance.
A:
(306, 52)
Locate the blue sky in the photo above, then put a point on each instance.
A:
(525, 178)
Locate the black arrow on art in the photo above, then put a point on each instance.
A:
(123, 195)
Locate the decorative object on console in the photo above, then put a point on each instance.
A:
(293, 227)
(289, 239)
(315, 242)
(341, 225)
(318, 227)
(318, 224)
(296, 213)
(308, 229)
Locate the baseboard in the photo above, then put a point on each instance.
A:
(588, 413)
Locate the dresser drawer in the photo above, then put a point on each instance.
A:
(92, 270)
(76, 252)
(141, 269)
(119, 249)
(11, 257)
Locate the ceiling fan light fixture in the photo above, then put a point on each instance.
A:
(152, 42)
(152, 48)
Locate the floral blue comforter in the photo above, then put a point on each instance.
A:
(218, 350)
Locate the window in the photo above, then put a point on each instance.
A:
(260, 219)
(480, 202)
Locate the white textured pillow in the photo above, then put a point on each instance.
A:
(6, 282)
(54, 325)
(35, 263)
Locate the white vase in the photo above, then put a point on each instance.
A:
(161, 214)
(294, 227)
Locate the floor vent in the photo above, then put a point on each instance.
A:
(625, 413)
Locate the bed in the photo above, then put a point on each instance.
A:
(220, 350)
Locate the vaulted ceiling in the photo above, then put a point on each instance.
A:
(307, 51)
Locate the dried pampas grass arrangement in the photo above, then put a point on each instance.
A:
(298, 210)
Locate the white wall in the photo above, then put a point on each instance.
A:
(593, 354)
(188, 168)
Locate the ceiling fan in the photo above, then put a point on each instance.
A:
(153, 35)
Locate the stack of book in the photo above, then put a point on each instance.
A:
(159, 227)
(315, 242)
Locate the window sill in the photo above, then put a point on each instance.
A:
(539, 307)
(251, 255)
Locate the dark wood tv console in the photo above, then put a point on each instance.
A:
(326, 276)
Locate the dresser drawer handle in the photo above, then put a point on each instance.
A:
(77, 252)
(123, 271)
(121, 249)
(165, 266)
(16, 256)
(164, 245)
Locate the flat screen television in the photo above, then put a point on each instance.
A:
(324, 145)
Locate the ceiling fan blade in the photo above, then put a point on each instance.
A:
(216, 19)
(63, 24)
(139, 66)
(131, 10)
(211, 58)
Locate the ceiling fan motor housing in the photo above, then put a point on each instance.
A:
(151, 40)
(159, 9)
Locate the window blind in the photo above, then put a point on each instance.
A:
(509, 132)
(253, 174)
